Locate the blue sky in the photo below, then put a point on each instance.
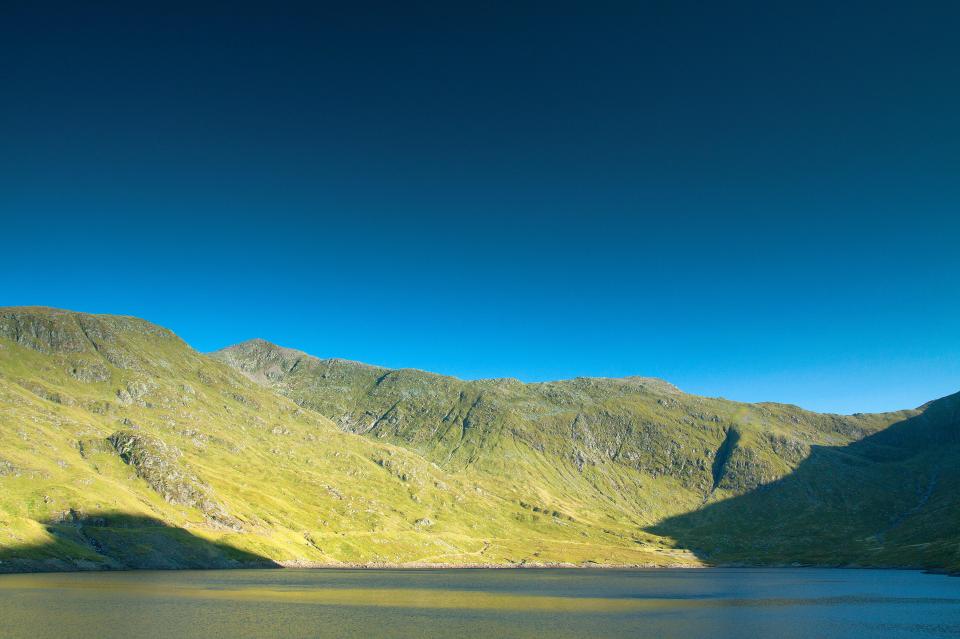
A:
(751, 202)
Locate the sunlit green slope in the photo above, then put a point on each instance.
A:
(639, 452)
(120, 446)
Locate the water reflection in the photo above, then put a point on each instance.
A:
(524, 603)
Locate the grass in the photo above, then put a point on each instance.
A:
(261, 455)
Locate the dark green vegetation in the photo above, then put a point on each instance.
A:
(887, 499)
(120, 446)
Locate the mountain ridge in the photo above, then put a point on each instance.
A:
(122, 447)
(267, 344)
(264, 344)
(737, 467)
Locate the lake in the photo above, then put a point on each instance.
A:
(681, 603)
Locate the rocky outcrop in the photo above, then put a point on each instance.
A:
(44, 331)
(84, 370)
(161, 466)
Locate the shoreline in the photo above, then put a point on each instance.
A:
(60, 566)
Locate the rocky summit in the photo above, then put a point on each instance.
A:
(122, 447)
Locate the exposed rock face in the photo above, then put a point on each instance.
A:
(47, 332)
(50, 331)
(136, 392)
(8, 469)
(88, 371)
(161, 467)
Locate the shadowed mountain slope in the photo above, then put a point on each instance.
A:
(888, 499)
(118, 541)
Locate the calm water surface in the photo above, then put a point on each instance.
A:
(781, 603)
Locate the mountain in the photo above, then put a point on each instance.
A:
(734, 482)
(122, 447)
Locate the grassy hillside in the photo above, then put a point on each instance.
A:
(763, 483)
(120, 446)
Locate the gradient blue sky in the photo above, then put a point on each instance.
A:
(754, 202)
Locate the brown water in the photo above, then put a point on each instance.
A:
(782, 603)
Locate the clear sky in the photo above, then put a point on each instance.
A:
(759, 201)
